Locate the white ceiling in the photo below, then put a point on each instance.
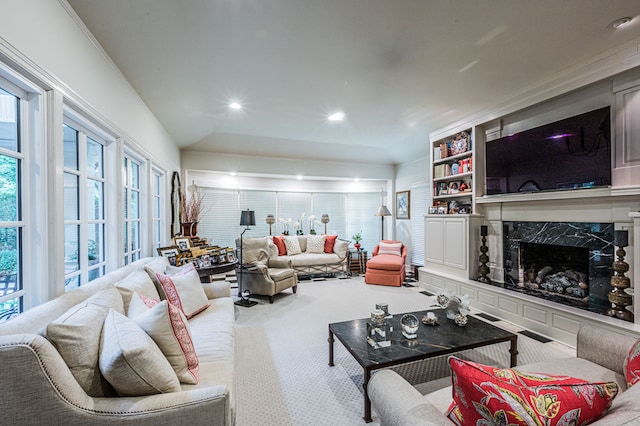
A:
(399, 69)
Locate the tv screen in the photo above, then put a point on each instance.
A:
(574, 153)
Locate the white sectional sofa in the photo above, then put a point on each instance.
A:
(307, 263)
(38, 387)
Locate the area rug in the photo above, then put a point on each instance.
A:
(283, 376)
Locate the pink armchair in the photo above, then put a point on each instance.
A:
(386, 267)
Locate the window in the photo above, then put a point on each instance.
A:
(157, 201)
(132, 209)
(11, 220)
(84, 211)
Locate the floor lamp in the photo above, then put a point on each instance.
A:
(247, 219)
(382, 212)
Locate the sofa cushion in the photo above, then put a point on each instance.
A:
(308, 259)
(184, 291)
(632, 365)
(293, 246)
(315, 244)
(168, 328)
(329, 242)
(390, 248)
(76, 336)
(279, 242)
(488, 394)
(137, 281)
(131, 361)
(385, 262)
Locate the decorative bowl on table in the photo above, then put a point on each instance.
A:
(409, 324)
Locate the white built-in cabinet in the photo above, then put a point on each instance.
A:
(626, 168)
(451, 244)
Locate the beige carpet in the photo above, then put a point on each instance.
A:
(283, 376)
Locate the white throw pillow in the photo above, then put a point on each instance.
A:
(168, 327)
(138, 281)
(315, 244)
(185, 291)
(390, 248)
(131, 361)
(292, 245)
(76, 336)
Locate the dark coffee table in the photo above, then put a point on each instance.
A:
(432, 341)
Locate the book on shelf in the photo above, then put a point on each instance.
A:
(437, 153)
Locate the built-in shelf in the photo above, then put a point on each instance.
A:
(453, 157)
(451, 196)
(453, 177)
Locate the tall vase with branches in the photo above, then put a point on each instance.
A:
(191, 210)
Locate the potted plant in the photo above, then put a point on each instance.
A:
(357, 237)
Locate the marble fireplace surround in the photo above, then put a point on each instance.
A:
(586, 248)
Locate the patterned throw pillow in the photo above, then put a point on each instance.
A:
(390, 248)
(632, 365)
(315, 244)
(293, 246)
(169, 329)
(185, 291)
(131, 361)
(488, 395)
(329, 242)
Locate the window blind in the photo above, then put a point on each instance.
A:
(420, 195)
(220, 223)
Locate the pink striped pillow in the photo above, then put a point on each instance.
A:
(185, 291)
(390, 248)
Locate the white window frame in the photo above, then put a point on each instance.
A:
(157, 221)
(130, 255)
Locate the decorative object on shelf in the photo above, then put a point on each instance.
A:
(191, 210)
(183, 243)
(247, 219)
(483, 269)
(618, 297)
(325, 220)
(382, 212)
(409, 323)
(456, 307)
(270, 220)
(403, 204)
(459, 144)
(430, 319)
(357, 237)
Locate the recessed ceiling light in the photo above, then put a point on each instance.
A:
(618, 23)
(232, 173)
(235, 105)
(299, 177)
(337, 116)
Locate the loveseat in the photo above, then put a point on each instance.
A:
(38, 387)
(307, 261)
(600, 357)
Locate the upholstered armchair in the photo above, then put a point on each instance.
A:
(260, 273)
(387, 264)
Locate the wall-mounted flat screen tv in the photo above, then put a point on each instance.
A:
(574, 153)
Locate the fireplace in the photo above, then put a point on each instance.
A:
(563, 262)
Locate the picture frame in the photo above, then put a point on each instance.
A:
(231, 257)
(183, 243)
(403, 204)
(170, 251)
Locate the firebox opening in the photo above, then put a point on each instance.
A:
(560, 271)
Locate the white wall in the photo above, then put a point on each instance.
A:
(44, 35)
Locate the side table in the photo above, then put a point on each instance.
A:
(357, 260)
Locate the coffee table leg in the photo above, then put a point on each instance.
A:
(330, 340)
(514, 351)
(367, 401)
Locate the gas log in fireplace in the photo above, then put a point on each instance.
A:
(564, 262)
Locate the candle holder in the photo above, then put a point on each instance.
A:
(618, 297)
(483, 269)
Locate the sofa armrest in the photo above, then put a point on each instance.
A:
(45, 390)
(604, 347)
(280, 263)
(400, 404)
(217, 290)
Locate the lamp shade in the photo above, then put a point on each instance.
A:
(325, 218)
(383, 211)
(248, 218)
(271, 219)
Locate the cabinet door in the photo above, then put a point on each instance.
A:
(455, 242)
(626, 171)
(434, 240)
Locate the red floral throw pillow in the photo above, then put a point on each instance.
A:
(632, 365)
(279, 242)
(329, 242)
(488, 395)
